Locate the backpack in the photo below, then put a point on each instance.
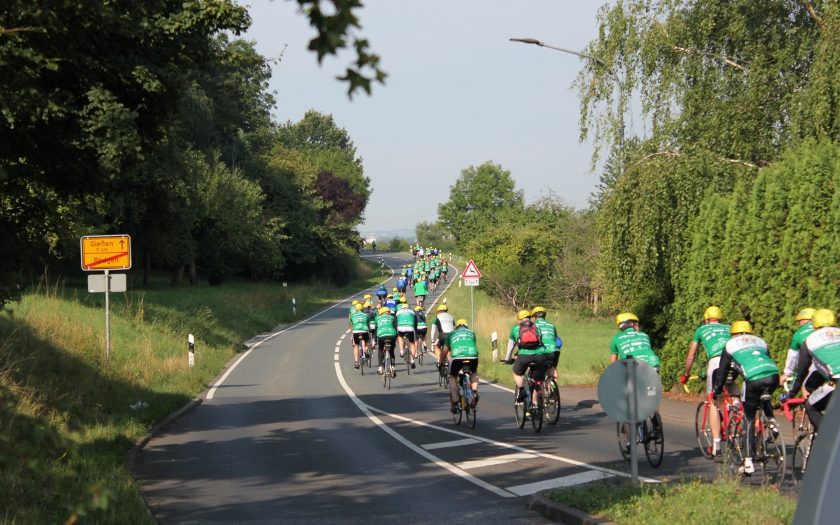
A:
(529, 335)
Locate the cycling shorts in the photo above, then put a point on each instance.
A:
(407, 335)
(401, 289)
(455, 365)
(537, 362)
(421, 333)
(442, 340)
(388, 340)
(552, 359)
(358, 337)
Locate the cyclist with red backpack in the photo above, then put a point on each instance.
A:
(526, 336)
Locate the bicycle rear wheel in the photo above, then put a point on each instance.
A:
(456, 417)
(624, 439)
(773, 456)
(801, 453)
(654, 439)
(552, 402)
(471, 410)
(407, 355)
(537, 411)
(703, 429)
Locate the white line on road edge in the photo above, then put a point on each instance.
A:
(565, 481)
(364, 407)
(222, 379)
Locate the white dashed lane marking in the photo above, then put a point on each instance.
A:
(447, 444)
(565, 481)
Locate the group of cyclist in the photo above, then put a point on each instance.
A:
(813, 362)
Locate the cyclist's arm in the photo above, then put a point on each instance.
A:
(802, 365)
(510, 345)
(435, 328)
(689, 360)
(613, 358)
(723, 370)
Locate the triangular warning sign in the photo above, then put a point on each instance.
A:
(471, 271)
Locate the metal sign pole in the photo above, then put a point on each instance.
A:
(472, 308)
(634, 414)
(107, 315)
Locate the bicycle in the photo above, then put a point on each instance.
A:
(364, 357)
(769, 446)
(733, 410)
(536, 409)
(794, 410)
(406, 354)
(389, 372)
(551, 394)
(467, 402)
(421, 351)
(649, 433)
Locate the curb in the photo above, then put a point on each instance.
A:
(563, 513)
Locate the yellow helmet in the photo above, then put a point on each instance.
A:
(805, 314)
(355, 302)
(824, 317)
(384, 310)
(394, 289)
(442, 308)
(538, 310)
(460, 322)
(712, 312)
(624, 317)
(390, 296)
(367, 304)
(358, 307)
(403, 300)
(523, 314)
(418, 308)
(741, 327)
(367, 296)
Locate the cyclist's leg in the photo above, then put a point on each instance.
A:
(712, 373)
(474, 374)
(454, 367)
(381, 354)
(538, 372)
(520, 365)
(752, 401)
(355, 350)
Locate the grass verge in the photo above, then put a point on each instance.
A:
(723, 501)
(68, 415)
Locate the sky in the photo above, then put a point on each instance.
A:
(458, 94)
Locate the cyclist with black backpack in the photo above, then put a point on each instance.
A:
(526, 336)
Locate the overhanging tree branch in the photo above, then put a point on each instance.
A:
(813, 12)
(675, 154)
(724, 59)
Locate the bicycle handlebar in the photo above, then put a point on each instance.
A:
(787, 406)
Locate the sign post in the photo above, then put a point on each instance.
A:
(471, 278)
(106, 253)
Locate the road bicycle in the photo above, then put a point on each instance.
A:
(732, 411)
(649, 433)
(467, 399)
(405, 351)
(421, 351)
(769, 446)
(533, 407)
(364, 357)
(804, 436)
(389, 371)
(551, 395)
(443, 375)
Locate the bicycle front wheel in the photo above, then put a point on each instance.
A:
(735, 445)
(773, 457)
(654, 439)
(799, 461)
(624, 442)
(703, 429)
(552, 402)
(519, 412)
(469, 407)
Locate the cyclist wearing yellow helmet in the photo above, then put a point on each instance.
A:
(822, 349)
(806, 328)
(421, 289)
(444, 323)
(461, 346)
(422, 328)
(359, 327)
(747, 354)
(630, 342)
(386, 335)
(551, 343)
(406, 325)
(712, 335)
(527, 337)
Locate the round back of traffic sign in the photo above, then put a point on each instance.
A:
(625, 383)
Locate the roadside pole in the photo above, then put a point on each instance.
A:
(471, 277)
(107, 315)
(106, 253)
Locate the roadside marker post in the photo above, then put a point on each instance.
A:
(106, 253)
(191, 350)
(494, 344)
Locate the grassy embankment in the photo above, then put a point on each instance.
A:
(66, 420)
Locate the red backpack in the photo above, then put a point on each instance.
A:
(529, 335)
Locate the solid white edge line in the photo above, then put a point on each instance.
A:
(212, 392)
(364, 407)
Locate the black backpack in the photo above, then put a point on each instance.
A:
(529, 335)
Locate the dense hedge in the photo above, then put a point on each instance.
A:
(762, 252)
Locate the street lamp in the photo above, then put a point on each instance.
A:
(600, 62)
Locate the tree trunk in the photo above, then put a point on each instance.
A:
(177, 275)
(193, 273)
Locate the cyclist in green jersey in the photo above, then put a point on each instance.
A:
(806, 327)
(712, 335)
(461, 347)
(822, 350)
(386, 335)
(420, 290)
(444, 270)
(548, 332)
(406, 325)
(747, 354)
(529, 355)
(422, 327)
(359, 326)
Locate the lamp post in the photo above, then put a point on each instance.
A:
(600, 62)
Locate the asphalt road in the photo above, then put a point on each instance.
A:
(291, 433)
